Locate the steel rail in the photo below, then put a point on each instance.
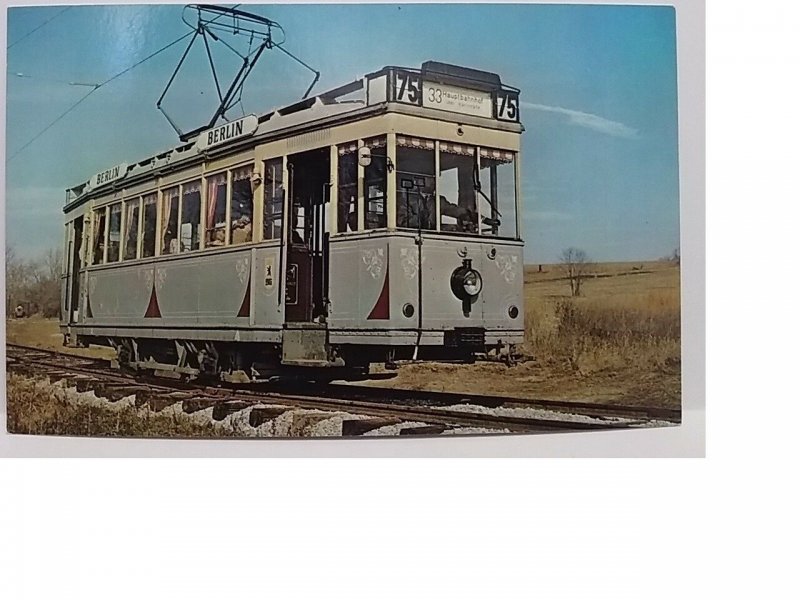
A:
(359, 400)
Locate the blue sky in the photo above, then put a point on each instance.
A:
(598, 93)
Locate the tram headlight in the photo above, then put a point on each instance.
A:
(473, 283)
(466, 282)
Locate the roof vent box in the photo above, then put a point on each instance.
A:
(454, 75)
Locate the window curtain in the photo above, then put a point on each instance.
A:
(461, 149)
(213, 186)
(412, 142)
(502, 156)
(243, 173)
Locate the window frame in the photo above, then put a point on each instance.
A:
(145, 202)
(137, 231)
(110, 208)
(95, 220)
(494, 190)
(344, 149)
(163, 197)
(272, 201)
(363, 183)
(199, 180)
(207, 227)
(478, 150)
(232, 181)
(425, 145)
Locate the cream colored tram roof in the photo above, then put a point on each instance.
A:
(343, 100)
(272, 122)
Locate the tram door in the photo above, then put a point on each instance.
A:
(307, 256)
(74, 266)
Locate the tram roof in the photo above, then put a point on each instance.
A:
(350, 100)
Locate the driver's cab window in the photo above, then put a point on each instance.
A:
(416, 183)
(497, 196)
(457, 209)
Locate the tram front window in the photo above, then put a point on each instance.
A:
(416, 183)
(498, 191)
(458, 210)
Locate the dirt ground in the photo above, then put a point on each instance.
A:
(44, 333)
(619, 343)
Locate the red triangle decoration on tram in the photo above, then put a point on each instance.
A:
(381, 308)
(153, 311)
(244, 310)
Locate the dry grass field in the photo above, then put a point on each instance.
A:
(618, 343)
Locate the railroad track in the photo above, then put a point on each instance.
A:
(363, 410)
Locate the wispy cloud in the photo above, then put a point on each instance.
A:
(588, 120)
(545, 215)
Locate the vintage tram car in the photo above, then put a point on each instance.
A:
(376, 222)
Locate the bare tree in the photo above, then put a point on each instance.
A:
(47, 277)
(575, 264)
(34, 282)
(18, 278)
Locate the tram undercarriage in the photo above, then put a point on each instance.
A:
(250, 362)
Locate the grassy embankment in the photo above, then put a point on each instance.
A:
(40, 408)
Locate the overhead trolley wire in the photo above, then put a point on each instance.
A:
(35, 29)
(47, 79)
(92, 91)
(96, 86)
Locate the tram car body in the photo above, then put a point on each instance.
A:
(376, 222)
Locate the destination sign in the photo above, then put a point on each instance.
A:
(109, 175)
(410, 88)
(455, 99)
(228, 132)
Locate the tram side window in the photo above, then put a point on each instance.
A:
(131, 237)
(216, 200)
(273, 198)
(458, 210)
(242, 206)
(375, 186)
(416, 183)
(114, 230)
(348, 188)
(149, 228)
(169, 221)
(99, 241)
(190, 217)
(497, 202)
